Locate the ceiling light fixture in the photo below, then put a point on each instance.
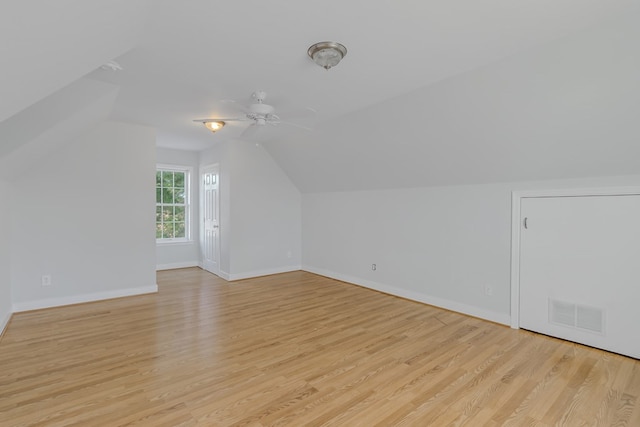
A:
(214, 126)
(327, 54)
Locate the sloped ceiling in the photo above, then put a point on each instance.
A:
(47, 45)
(33, 134)
(430, 93)
(569, 109)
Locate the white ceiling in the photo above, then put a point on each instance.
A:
(188, 59)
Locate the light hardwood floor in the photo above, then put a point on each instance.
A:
(297, 349)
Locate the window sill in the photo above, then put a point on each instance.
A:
(167, 242)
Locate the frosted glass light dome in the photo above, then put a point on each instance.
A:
(327, 54)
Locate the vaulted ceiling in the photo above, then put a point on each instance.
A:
(434, 92)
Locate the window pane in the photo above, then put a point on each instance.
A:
(167, 230)
(179, 179)
(179, 195)
(167, 179)
(158, 178)
(167, 195)
(158, 231)
(158, 195)
(167, 213)
(178, 213)
(158, 213)
(179, 229)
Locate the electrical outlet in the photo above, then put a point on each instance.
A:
(46, 280)
(373, 267)
(488, 291)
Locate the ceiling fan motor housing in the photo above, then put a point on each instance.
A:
(261, 109)
(259, 95)
(260, 113)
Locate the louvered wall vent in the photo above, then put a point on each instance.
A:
(576, 316)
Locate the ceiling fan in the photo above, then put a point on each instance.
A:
(259, 113)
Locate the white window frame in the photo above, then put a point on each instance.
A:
(188, 171)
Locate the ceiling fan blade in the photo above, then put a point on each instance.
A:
(304, 113)
(249, 131)
(298, 126)
(234, 119)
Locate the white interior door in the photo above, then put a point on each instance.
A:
(210, 225)
(580, 270)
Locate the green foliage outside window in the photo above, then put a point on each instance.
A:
(171, 204)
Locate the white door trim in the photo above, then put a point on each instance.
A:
(516, 197)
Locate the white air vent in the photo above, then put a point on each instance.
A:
(562, 313)
(576, 316)
(590, 318)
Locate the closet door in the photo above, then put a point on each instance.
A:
(210, 224)
(580, 270)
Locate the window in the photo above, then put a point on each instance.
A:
(172, 204)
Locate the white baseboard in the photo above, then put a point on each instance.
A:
(4, 322)
(77, 299)
(258, 273)
(176, 265)
(458, 307)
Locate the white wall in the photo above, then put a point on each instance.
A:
(185, 254)
(5, 243)
(86, 217)
(439, 245)
(260, 212)
(266, 215)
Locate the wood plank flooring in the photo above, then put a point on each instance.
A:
(297, 349)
